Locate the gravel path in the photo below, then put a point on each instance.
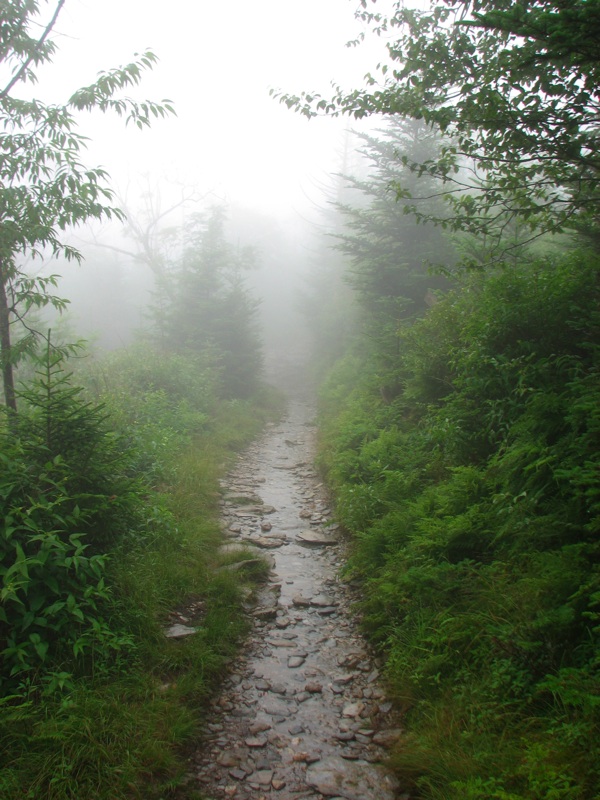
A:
(302, 717)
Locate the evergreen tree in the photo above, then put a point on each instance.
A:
(391, 256)
(212, 311)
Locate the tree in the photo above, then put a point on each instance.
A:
(514, 86)
(210, 309)
(391, 254)
(44, 186)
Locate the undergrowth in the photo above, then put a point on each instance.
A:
(97, 702)
(472, 498)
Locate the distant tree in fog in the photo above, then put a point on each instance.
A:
(210, 308)
(389, 255)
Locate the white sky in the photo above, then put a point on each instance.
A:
(218, 60)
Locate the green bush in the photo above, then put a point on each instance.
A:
(472, 498)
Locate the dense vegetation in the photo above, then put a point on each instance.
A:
(460, 430)
(461, 441)
(109, 524)
(109, 471)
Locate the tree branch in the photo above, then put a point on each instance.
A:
(17, 77)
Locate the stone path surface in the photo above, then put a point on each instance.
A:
(302, 716)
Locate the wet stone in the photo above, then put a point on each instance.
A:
(267, 544)
(343, 679)
(301, 602)
(259, 727)
(179, 631)
(256, 741)
(279, 688)
(313, 687)
(388, 737)
(279, 715)
(317, 538)
(262, 777)
(296, 661)
(322, 600)
(237, 774)
(335, 776)
(265, 613)
(353, 709)
(228, 760)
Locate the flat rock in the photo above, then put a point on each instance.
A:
(387, 737)
(301, 602)
(280, 643)
(322, 601)
(267, 542)
(277, 708)
(256, 741)
(259, 727)
(228, 759)
(263, 777)
(243, 499)
(296, 661)
(353, 709)
(317, 538)
(179, 631)
(237, 774)
(351, 780)
(313, 687)
(263, 613)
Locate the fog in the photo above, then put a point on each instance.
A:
(231, 144)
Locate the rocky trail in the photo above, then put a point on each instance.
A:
(302, 716)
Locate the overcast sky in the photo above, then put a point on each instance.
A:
(218, 61)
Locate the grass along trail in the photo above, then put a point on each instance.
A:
(302, 716)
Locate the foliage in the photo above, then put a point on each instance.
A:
(100, 701)
(473, 502)
(388, 252)
(514, 86)
(389, 255)
(65, 498)
(46, 189)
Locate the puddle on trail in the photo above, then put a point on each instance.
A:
(302, 716)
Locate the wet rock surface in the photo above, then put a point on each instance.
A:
(302, 716)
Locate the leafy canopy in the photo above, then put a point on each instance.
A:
(44, 186)
(515, 86)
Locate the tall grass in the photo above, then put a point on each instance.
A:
(122, 731)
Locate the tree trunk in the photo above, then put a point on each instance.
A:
(5, 347)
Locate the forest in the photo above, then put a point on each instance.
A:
(452, 316)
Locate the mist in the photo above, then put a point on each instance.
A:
(230, 145)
